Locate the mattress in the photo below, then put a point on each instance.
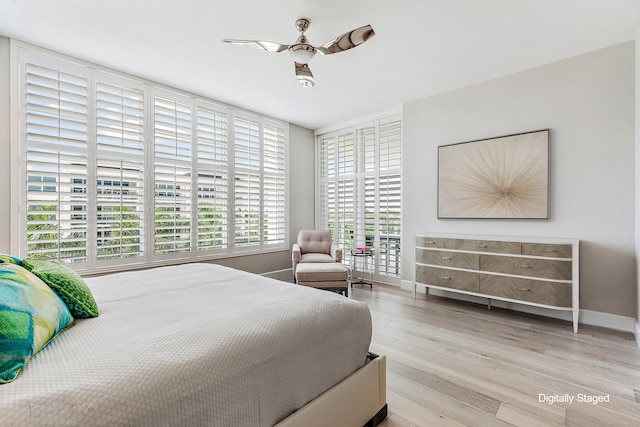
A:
(195, 344)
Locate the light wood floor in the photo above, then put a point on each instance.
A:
(451, 363)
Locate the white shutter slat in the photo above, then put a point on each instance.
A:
(359, 189)
(120, 209)
(90, 193)
(172, 213)
(56, 164)
(274, 186)
(172, 177)
(212, 179)
(56, 206)
(346, 211)
(390, 207)
(120, 171)
(347, 229)
(247, 212)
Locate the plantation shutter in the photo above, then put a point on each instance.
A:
(274, 185)
(119, 171)
(213, 179)
(172, 176)
(359, 175)
(56, 138)
(112, 170)
(346, 192)
(325, 198)
(365, 191)
(247, 183)
(390, 203)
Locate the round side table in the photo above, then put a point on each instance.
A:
(366, 257)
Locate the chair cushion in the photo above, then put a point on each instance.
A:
(334, 285)
(318, 241)
(315, 258)
(321, 272)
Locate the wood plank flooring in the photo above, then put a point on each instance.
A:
(451, 363)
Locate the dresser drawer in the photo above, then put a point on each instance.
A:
(551, 251)
(449, 259)
(483, 246)
(462, 280)
(548, 293)
(429, 242)
(534, 267)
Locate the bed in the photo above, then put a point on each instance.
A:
(202, 344)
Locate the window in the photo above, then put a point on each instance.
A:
(359, 190)
(56, 149)
(213, 179)
(172, 157)
(118, 171)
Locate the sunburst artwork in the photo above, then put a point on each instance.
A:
(503, 177)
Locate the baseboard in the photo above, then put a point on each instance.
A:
(608, 320)
(587, 317)
(408, 285)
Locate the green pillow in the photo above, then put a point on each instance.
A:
(31, 314)
(8, 259)
(67, 284)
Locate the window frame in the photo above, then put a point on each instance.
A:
(24, 53)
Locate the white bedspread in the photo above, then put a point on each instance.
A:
(191, 345)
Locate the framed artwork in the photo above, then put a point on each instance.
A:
(506, 177)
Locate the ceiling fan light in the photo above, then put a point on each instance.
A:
(306, 82)
(302, 53)
(305, 76)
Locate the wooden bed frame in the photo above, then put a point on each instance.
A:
(359, 400)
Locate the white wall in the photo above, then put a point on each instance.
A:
(588, 103)
(5, 144)
(301, 181)
(637, 190)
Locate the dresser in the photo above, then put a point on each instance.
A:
(532, 271)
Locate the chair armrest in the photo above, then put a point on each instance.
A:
(296, 254)
(336, 253)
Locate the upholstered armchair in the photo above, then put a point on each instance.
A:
(314, 246)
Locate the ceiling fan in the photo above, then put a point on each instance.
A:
(301, 51)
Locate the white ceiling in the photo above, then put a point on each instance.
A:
(421, 47)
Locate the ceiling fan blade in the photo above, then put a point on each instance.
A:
(348, 40)
(305, 77)
(260, 44)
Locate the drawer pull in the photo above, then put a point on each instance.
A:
(444, 277)
(522, 266)
(429, 242)
(522, 289)
(483, 246)
(446, 258)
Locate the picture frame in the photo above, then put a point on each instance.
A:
(505, 177)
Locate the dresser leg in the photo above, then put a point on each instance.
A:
(488, 303)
